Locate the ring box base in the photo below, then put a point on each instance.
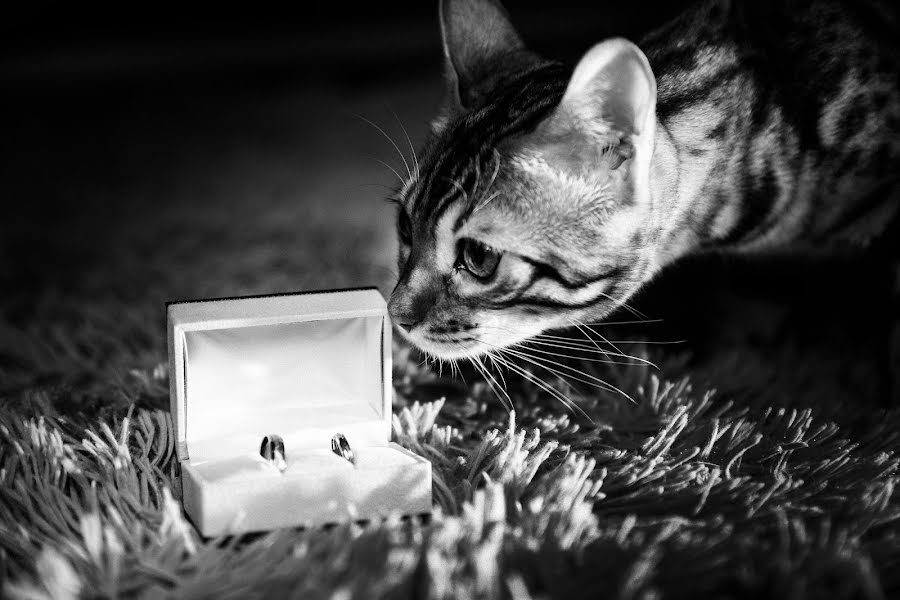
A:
(247, 494)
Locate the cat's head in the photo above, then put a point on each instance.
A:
(531, 207)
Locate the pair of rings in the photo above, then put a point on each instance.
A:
(272, 449)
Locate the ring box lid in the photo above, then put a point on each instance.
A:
(304, 366)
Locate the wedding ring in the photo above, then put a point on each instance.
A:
(272, 449)
(341, 447)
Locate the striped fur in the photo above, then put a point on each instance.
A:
(762, 125)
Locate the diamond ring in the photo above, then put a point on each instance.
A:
(341, 447)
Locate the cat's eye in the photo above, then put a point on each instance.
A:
(478, 259)
(404, 227)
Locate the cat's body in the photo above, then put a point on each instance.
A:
(785, 119)
(548, 197)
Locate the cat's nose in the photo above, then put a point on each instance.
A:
(408, 307)
(401, 314)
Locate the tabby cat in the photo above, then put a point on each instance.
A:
(548, 196)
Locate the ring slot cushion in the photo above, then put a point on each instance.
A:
(302, 366)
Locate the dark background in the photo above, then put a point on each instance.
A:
(102, 94)
(184, 36)
(161, 151)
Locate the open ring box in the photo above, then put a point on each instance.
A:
(303, 366)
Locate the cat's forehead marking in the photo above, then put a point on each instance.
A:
(484, 191)
(470, 140)
(445, 237)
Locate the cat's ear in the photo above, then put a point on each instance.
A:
(610, 102)
(480, 44)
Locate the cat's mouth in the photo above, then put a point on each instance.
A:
(450, 346)
(467, 342)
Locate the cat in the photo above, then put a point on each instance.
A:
(548, 196)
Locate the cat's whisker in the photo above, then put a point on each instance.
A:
(476, 363)
(477, 179)
(492, 356)
(588, 350)
(412, 149)
(591, 380)
(624, 305)
(630, 361)
(459, 371)
(504, 387)
(490, 184)
(599, 383)
(583, 348)
(588, 344)
(580, 345)
(588, 341)
(504, 399)
(497, 162)
(388, 165)
(459, 188)
(568, 343)
(492, 383)
(592, 340)
(486, 202)
(563, 399)
(653, 342)
(567, 402)
(389, 139)
(634, 322)
(587, 331)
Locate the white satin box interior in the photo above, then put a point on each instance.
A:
(304, 367)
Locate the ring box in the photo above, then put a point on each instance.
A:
(304, 366)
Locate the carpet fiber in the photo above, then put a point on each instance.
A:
(678, 494)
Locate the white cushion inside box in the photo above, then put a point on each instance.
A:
(245, 493)
(253, 467)
(243, 383)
